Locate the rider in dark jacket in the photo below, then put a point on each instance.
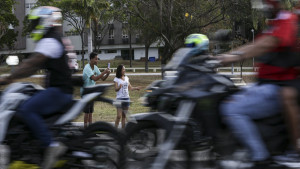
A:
(50, 55)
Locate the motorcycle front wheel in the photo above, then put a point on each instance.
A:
(100, 147)
(143, 140)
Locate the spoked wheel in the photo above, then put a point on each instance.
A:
(101, 147)
(143, 141)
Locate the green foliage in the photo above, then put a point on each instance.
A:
(101, 14)
(168, 21)
(7, 18)
(172, 21)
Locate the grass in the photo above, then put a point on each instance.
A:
(105, 111)
(126, 63)
(102, 64)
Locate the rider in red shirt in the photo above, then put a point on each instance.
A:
(277, 61)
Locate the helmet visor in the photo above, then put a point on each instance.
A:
(190, 45)
(32, 24)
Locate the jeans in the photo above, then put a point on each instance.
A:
(256, 102)
(46, 102)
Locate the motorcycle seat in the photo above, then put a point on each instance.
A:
(272, 120)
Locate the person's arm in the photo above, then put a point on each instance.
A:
(102, 75)
(27, 68)
(117, 87)
(261, 46)
(133, 88)
(106, 75)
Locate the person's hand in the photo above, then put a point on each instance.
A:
(138, 88)
(228, 58)
(107, 71)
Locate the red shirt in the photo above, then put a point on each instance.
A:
(284, 27)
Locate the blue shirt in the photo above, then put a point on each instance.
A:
(87, 74)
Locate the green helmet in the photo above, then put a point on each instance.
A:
(197, 41)
(42, 19)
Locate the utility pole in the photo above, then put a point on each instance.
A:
(130, 47)
(252, 30)
(90, 38)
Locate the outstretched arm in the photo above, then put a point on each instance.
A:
(133, 88)
(261, 46)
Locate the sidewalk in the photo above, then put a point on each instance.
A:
(152, 74)
(112, 74)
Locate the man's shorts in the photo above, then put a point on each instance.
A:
(89, 108)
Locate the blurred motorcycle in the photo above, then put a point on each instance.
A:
(98, 146)
(185, 117)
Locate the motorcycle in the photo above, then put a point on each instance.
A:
(185, 117)
(100, 145)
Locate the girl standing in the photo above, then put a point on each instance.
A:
(122, 87)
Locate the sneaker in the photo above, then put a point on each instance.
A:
(51, 155)
(291, 159)
(288, 157)
(236, 164)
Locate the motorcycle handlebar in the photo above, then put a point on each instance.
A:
(116, 103)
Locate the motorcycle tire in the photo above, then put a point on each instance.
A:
(101, 146)
(143, 139)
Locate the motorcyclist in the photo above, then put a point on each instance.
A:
(49, 54)
(199, 43)
(276, 68)
(290, 98)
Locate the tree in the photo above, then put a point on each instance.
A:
(173, 20)
(146, 35)
(78, 13)
(101, 16)
(7, 21)
(75, 13)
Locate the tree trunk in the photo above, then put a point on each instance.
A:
(82, 50)
(95, 34)
(146, 57)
